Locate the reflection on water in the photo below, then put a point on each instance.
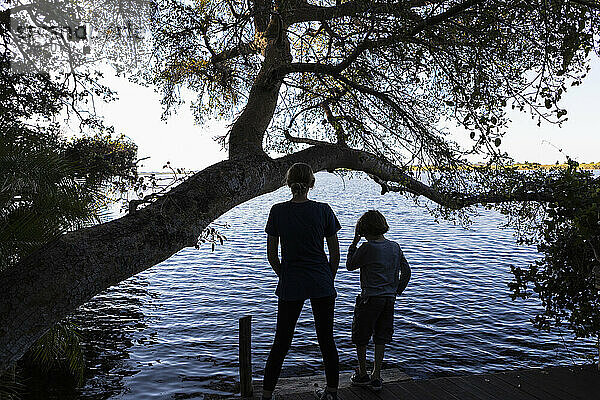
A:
(171, 332)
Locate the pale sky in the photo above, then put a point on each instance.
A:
(178, 140)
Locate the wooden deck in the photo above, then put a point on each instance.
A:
(553, 383)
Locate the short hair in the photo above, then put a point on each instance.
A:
(372, 223)
(299, 177)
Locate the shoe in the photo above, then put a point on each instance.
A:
(322, 394)
(357, 380)
(376, 384)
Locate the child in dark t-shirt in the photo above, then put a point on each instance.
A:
(384, 274)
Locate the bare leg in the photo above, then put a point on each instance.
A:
(361, 353)
(379, 350)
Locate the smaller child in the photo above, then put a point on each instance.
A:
(384, 274)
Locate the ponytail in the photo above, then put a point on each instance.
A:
(300, 178)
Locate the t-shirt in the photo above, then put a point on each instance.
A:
(302, 228)
(384, 270)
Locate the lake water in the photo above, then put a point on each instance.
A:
(171, 331)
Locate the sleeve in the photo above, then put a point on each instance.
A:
(356, 257)
(271, 227)
(404, 274)
(332, 225)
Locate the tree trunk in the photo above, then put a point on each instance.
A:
(246, 135)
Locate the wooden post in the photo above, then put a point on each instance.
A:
(246, 356)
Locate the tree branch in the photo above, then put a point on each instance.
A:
(239, 50)
(55, 280)
(335, 156)
(312, 142)
(459, 200)
(375, 44)
(335, 123)
(262, 14)
(309, 12)
(588, 3)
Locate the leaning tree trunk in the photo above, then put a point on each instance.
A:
(58, 278)
(61, 276)
(55, 280)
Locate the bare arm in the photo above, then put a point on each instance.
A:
(273, 253)
(356, 257)
(352, 262)
(404, 274)
(334, 253)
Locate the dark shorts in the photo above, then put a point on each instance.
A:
(373, 316)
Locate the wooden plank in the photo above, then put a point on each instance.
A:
(544, 379)
(521, 382)
(384, 394)
(360, 392)
(554, 383)
(459, 389)
(363, 392)
(347, 394)
(417, 390)
(582, 385)
(484, 390)
(303, 396)
(483, 385)
(435, 390)
(300, 384)
(368, 393)
(507, 391)
(399, 390)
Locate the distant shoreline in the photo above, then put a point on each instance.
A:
(528, 166)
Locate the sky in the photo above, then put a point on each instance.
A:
(137, 114)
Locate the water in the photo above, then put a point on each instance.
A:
(171, 331)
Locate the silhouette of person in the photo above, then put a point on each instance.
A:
(301, 225)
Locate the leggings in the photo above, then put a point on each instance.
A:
(287, 316)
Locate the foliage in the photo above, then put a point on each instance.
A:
(10, 388)
(51, 185)
(59, 349)
(389, 74)
(212, 235)
(567, 278)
